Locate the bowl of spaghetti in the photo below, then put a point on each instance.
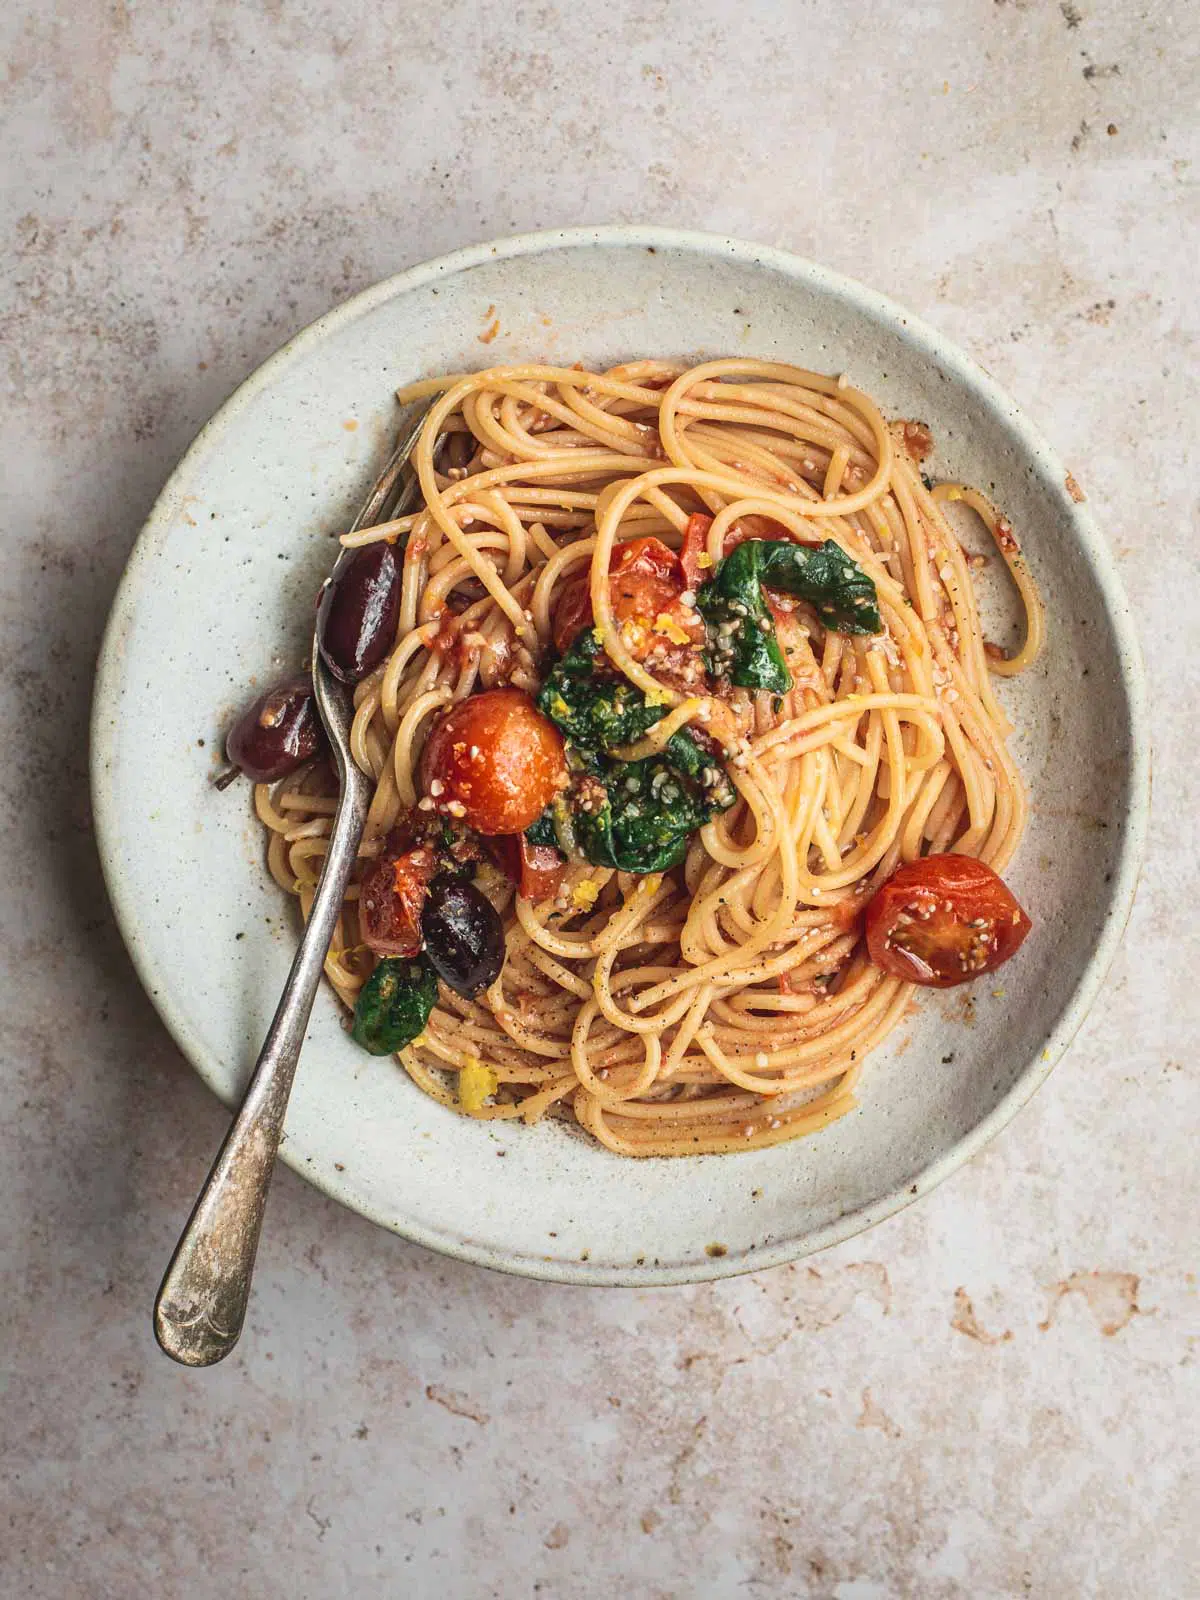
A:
(756, 731)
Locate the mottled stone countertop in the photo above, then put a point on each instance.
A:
(993, 1394)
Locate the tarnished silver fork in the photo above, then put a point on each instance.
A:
(201, 1304)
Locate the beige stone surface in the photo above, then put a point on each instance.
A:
(995, 1393)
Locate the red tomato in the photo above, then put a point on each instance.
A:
(391, 898)
(572, 613)
(645, 582)
(644, 578)
(495, 761)
(943, 920)
(694, 538)
(542, 870)
(536, 869)
(760, 527)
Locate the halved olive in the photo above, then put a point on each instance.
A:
(464, 937)
(357, 621)
(278, 733)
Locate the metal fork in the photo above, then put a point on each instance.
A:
(201, 1304)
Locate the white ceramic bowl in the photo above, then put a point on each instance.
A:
(217, 598)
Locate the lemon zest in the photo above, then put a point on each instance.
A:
(667, 625)
(476, 1084)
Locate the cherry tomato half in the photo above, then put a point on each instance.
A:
(645, 581)
(943, 920)
(572, 613)
(695, 536)
(537, 869)
(495, 761)
(391, 898)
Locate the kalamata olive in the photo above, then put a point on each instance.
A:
(464, 937)
(357, 622)
(495, 761)
(278, 733)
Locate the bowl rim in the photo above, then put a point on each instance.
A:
(935, 347)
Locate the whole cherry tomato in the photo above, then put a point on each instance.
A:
(943, 920)
(494, 761)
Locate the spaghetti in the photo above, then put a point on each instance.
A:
(729, 1002)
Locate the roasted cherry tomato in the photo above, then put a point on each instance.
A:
(542, 870)
(278, 733)
(391, 898)
(644, 578)
(695, 535)
(572, 612)
(536, 869)
(645, 582)
(359, 610)
(943, 920)
(494, 761)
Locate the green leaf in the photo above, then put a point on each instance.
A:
(543, 830)
(556, 825)
(648, 814)
(837, 588)
(394, 1004)
(594, 711)
(641, 813)
(741, 632)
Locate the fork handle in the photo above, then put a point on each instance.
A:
(201, 1305)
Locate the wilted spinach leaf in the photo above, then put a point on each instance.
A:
(543, 830)
(633, 815)
(645, 819)
(742, 645)
(394, 1004)
(595, 711)
(837, 588)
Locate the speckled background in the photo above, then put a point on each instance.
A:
(995, 1393)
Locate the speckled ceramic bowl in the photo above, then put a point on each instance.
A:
(217, 597)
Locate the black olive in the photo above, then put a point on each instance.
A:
(464, 937)
(357, 622)
(278, 733)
